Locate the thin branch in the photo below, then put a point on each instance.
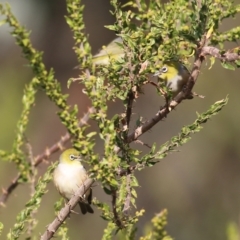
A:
(8, 191)
(33, 170)
(129, 107)
(45, 155)
(32, 221)
(65, 211)
(122, 172)
(148, 124)
(228, 56)
(131, 95)
(142, 143)
(127, 202)
(114, 209)
(199, 58)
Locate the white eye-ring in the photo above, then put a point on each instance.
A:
(72, 157)
(164, 69)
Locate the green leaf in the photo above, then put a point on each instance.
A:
(228, 65)
(107, 191)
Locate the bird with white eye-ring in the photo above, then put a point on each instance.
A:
(69, 175)
(174, 76)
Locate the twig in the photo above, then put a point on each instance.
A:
(131, 93)
(228, 56)
(129, 107)
(31, 158)
(193, 76)
(45, 155)
(127, 202)
(129, 170)
(8, 191)
(148, 124)
(32, 221)
(65, 211)
(114, 208)
(142, 143)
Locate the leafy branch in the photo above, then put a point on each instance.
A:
(152, 34)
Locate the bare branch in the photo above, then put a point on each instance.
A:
(142, 143)
(129, 108)
(65, 211)
(127, 202)
(228, 56)
(148, 124)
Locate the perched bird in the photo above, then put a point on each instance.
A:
(174, 75)
(111, 51)
(69, 175)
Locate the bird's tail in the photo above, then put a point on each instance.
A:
(85, 207)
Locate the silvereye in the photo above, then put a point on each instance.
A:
(111, 51)
(174, 75)
(69, 175)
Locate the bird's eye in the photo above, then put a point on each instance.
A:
(164, 69)
(72, 157)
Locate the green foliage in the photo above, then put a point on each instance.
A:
(46, 79)
(108, 231)
(152, 33)
(34, 203)
(129, 233)
(28, 101)
(232, 231)
(158, 231)
(17, 155)
(75, 21)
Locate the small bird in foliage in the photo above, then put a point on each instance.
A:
(174, 75)
(69, 175)
(111, 51)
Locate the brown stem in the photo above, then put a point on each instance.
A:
(32, 223)
(127, 202)
(228, 56)
(129, 107)
(148, 124)
(65, 211)
(114, 207)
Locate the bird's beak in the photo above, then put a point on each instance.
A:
(156, 73)
(78, 158)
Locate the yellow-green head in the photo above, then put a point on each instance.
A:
(70, 156)
(174, 75)
(69, 175)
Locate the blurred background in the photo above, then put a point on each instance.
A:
(198, 184)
